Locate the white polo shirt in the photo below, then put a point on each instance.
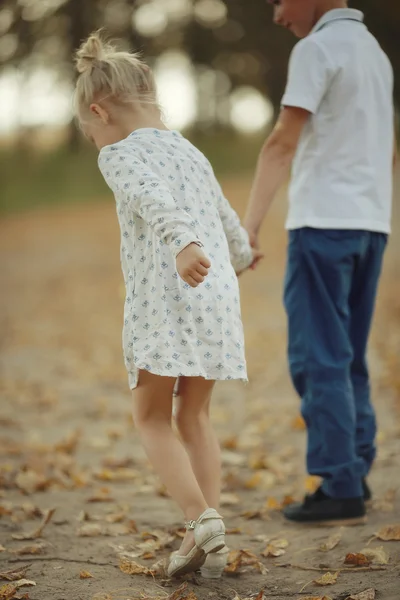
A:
(342, 172)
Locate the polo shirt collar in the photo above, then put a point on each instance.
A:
(338, 14)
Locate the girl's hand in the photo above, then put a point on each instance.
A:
(192, 265)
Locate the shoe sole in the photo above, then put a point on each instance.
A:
(334, 523)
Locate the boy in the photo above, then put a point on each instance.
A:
(337, 123)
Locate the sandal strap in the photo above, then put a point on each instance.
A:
(189, 525)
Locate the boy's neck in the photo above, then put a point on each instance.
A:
(324, 6)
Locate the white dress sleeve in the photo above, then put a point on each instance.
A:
(240, 251)
(147, 195)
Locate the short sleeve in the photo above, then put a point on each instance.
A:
(310, 74)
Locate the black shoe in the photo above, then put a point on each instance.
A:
(323, 510)
(366, 491)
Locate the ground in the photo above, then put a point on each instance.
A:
(67, 440)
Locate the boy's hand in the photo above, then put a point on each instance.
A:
(192, 265)
(257, 256)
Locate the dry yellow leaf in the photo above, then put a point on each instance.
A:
(365, 595)
(230, 443)
(272, 551)
(85, 575)
(327, 579)
(378, 556)
(229, 499)
(358, 560)
(24, 583)
(249, 515)
(331, 542)
(130, 567)
(2, 549)
(29, 481)
(36, 533)
(311, 484)
(15, 574)
(272, 504)
(315, 598)
(90, 530)
(7, 591)
(29, 549)
(254, 481)
(390, 533)
(69, 444)
(298, 423)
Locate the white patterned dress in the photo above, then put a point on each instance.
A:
(167, 197)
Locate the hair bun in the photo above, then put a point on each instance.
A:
(90, 50)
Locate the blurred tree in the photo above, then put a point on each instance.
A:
(233, 39)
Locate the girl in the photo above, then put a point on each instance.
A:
(182, 319)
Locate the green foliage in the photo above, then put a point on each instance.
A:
(30, 179)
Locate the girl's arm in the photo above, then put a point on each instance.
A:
(147, 196)
(240, 251)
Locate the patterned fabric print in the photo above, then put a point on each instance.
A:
(168, 197)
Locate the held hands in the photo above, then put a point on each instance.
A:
(192, 265)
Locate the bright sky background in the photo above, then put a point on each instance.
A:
(42, 99)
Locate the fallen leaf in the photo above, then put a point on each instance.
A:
(230, 443)
(182, 593)
(24, 583)
(311, 484)
(229, 499)
(287, 500)
(85, 575)
(233, 531)
(390, 533)
(272, 504)
(15, 574)
(7, 591)
(148, 556)
(102, 495)
(298, 423)
(29, 481)
(331, 542)
(36, 533)
(122, 474)
(116, 517)
(365, 595)
(237, 559)
(378, 556)
(69, 444)
(272, 552)
(275, 548)
(130, 567)
(90, 530)
(327, 579)
(2, 549)
(29, 549)
(257, 461)
(254, 481)
(111, 462)
(386, 503)
(358, 560)
(250, 515)
(315, 598)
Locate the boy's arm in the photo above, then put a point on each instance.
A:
(273, 165)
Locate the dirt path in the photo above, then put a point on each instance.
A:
(66, 436)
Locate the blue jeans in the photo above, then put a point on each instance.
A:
(330, 290)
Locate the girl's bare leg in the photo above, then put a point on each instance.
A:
(193, 422)
(152, 414)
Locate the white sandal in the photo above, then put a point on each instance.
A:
(209, 536)
(215, 564)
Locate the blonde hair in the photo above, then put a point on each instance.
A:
(107, 72)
